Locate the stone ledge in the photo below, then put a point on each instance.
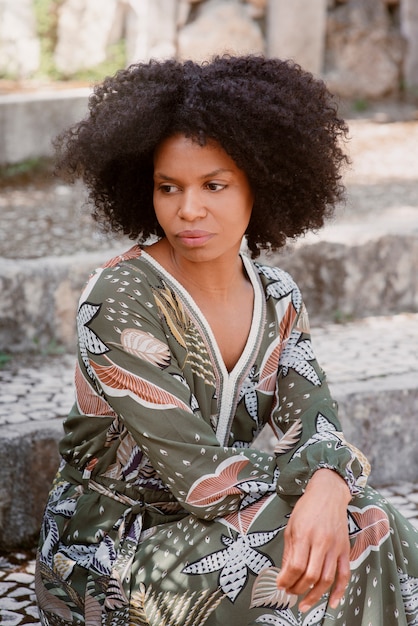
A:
(30, 459)
(341, 281)
(29, 122)
(338, 282)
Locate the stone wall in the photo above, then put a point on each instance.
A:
(363, 48)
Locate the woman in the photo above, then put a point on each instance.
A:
(162, 512)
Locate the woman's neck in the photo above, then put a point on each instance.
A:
(218, 278)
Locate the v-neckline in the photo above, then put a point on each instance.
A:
(230, 383)
(256, 317)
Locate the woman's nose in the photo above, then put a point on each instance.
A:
(191, 205)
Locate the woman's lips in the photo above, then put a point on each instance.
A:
(194, 238)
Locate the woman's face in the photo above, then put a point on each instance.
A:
(202, 200)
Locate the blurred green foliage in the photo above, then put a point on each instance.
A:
(4, 358)
(47, 13)
(25, 171)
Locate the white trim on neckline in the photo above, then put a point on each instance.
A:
(229, 379)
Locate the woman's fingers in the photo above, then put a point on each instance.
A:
(294, 563)
(315, 569)
(341, 581)
(322, 584)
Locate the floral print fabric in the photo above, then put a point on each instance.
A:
(162, 512)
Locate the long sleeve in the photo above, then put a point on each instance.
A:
(306, 414)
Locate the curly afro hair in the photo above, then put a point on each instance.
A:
(277, 122)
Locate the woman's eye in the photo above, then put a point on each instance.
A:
(167, 189)
(215, 186)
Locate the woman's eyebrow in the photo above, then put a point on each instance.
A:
(220, 170)
(162, 176)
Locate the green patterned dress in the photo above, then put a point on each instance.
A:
(162, 513)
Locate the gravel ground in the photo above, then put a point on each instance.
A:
(42, 217)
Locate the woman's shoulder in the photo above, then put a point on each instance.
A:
(118, 276)
(278, 283)
(272, 273)
(134, 252)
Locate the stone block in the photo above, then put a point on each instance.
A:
(338, 281)
(364, 54)
(343, 282)
(151, 30)
(296, 30)
(409, 29)
(29, 122)
(220, 27)
(85, 30)
(39, 300)
(19, 44)
(30, 459)
(382, 423)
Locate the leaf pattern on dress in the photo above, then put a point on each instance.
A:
(368, 528)
(88, 401)
(128, 458)
(53, 608)
(235, 561)
(146, 347)
(242, 520)
(285, 617)
(266, 594)
(63, 565)
(117, 430)
(364, 462)
(269, 368)
(115, 595)
(197, 355)
(302, 324)
(409, 591)
(47, 601)
(92, 611)
(98, 557)
(88, 341)
(117, 381)
(132, 253)
(325, 431)
(282, 285)
(248, 394)
(212, 488)
(290, 438)
(297, 355)
(51, 539)
(150, 608)
(173, 312)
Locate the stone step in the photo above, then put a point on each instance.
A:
(342, 281)
(339, 282)
(372, 367)
(30, 121)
